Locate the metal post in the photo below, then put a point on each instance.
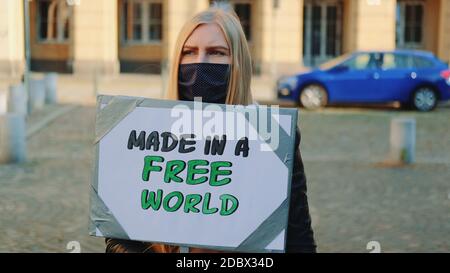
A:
(17, 99)
(164, 77)
(12, 138)
(3, 102)
(403, 140)
(26, 15)
(50, 88)
(273, 69)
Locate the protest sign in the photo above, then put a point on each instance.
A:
(192, 174)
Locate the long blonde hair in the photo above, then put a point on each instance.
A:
(241, 64)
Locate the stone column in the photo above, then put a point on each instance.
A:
(369, 25)
(444, 31)
(279, 36)
(12, 52)
(95, 43)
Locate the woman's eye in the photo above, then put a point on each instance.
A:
(219, 53)
(188, 52)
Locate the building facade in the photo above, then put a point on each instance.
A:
(138, 36)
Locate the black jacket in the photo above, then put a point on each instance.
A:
(300, 236)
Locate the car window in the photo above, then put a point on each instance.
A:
(361, 61)
(334, 62)
(422, 62)
(396, 61)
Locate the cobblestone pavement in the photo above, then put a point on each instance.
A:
(44, 203)
(353, 198)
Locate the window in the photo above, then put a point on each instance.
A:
(413, 23)
(331, 43)
(245, 16)
(422, 62)
(322, 31)
(155, 22)
(142, 21)
(53, 20)
(316, 30)
(396, 61)
(362, 61)
(410, 20)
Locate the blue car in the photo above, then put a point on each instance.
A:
(416, 79)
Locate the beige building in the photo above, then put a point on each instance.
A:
(138, 36)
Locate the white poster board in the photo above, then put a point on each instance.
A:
(160, 179)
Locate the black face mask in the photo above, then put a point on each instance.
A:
(206, 80)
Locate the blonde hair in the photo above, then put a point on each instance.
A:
(241, 64)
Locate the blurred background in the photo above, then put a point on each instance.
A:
(360, 200)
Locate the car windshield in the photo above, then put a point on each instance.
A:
(334, 62)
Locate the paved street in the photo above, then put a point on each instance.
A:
(354, 198)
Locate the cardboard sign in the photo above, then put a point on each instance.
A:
(191, 174)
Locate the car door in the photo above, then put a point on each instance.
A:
(397, 77)
(355, 80)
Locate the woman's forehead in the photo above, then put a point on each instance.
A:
(207, 35)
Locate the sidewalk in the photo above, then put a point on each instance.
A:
(78, 89)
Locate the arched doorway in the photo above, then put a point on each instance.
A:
(51, 35)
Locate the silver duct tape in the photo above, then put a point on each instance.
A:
(284, 152)
(103, 219)
(272, 226)
(267, 231)
(113, 113)
(94, 181)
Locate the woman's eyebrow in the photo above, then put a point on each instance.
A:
(208, 47)
(218, 47)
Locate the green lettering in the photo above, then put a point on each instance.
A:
(192, 170)
(148, 167)
(205, 208)
(169, 197)
(191, 201)
(148, 199)
(225, 210)
(173, 168)
(215, 172)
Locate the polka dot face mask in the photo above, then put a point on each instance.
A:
(206, 80)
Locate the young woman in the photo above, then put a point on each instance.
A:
(212, 61)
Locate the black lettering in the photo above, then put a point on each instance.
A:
(136, 142)
(183, 143)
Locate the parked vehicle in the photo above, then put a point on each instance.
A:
(416, 79)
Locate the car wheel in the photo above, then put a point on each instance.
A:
(313, 97)
(424, 99)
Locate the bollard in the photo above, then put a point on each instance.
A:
(12, 138)
(50, 88)
(17, 100)
(3, 103)
(403, 140)
(36, 95)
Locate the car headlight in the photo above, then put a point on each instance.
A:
(289, 82)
